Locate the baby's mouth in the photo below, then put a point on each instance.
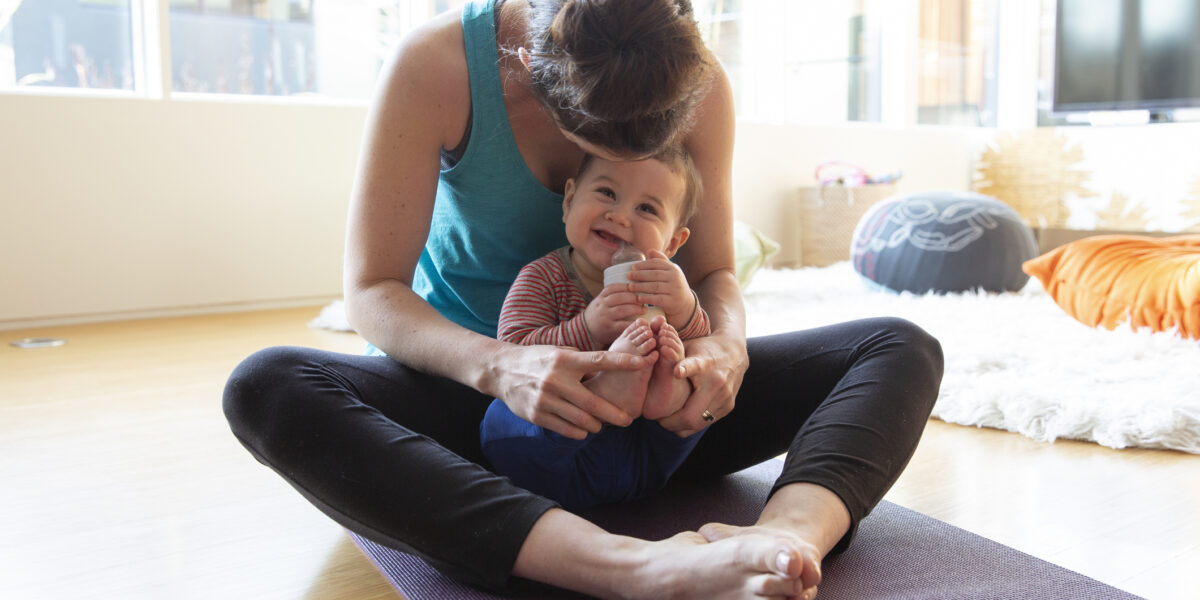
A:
(608, 237)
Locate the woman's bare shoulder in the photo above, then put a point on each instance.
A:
(428, 71)
(715, 117)
(439, 40)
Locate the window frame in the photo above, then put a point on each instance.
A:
(138, 61)
(1018, 49)
(150, 30)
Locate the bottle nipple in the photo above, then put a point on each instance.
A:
(622, 260)
(626, 252)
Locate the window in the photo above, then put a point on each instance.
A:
(328, 48)
(828, 62)
(799, 62)
(243, 47)
(958, 62)
(67, 44)
(1045, 74)
(927, 61)
(331, 48)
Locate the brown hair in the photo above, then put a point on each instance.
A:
(626, 75)
(680, 163)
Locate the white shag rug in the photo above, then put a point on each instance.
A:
(1014, 361)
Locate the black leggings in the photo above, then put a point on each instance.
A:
(393, 454)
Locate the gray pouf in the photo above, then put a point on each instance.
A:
(942, 242)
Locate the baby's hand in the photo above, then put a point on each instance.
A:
(660, 282)
(611, 312)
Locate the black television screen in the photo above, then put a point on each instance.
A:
(1126, 55)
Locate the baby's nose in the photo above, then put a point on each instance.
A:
(618, 215)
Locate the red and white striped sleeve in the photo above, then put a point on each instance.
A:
(543, 306)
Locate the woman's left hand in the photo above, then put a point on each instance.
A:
(715, 364)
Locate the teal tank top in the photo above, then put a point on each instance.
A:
(491, 215)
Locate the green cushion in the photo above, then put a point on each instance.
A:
(751, 250)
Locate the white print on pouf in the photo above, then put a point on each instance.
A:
(967, 221)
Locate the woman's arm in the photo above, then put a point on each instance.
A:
(421, 107)
(418, 108)
(714, 363)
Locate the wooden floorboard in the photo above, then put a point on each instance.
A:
(121, 480)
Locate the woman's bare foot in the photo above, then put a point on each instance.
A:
(804, 558)
(627, 389)
(742, 566)
(666, 393)
(564, 550)
(804, 517)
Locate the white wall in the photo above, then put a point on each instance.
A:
(119, 208)
(116, 208)
(771, 163)
(1154, 168)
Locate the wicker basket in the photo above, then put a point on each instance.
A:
(828, 216)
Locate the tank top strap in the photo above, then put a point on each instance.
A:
(490, 131)
(491, 216)
(479, 39)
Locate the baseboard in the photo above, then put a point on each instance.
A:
(166, 312)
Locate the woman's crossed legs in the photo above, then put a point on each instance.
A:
(848, 402)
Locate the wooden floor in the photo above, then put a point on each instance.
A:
(119, 479)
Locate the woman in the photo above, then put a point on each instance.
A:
(478, 122)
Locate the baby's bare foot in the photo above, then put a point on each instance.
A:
(666, 393)
(637, 339)
(627, 389)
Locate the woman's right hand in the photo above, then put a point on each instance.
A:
(543, 385)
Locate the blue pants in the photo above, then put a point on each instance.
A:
(618, 464)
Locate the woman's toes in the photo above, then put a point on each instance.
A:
(717, 531)
(775, 586)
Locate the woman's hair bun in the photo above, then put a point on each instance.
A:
(613, 69)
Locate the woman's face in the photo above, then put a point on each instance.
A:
(636, 202)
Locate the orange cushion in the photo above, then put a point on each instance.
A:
(1109, 279)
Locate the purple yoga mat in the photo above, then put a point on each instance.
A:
(898, 553)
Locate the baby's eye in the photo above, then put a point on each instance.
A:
(607, 192)
(648, 208)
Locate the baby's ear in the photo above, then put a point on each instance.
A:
(681, 236)
(568, 194)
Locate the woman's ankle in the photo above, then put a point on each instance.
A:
(570, 552)
(809, 511)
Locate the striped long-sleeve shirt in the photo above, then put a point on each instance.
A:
(546, 302)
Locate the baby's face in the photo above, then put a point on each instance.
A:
(637, 202)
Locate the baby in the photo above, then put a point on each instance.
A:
(560, 299)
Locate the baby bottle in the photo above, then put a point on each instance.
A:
(623, 260)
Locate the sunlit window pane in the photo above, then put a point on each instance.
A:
(721, 28)
(1045, 81)
(957, 64)
(834, 64)
(66, 44)
(232, 47)
(798, 62)
(330, 48)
